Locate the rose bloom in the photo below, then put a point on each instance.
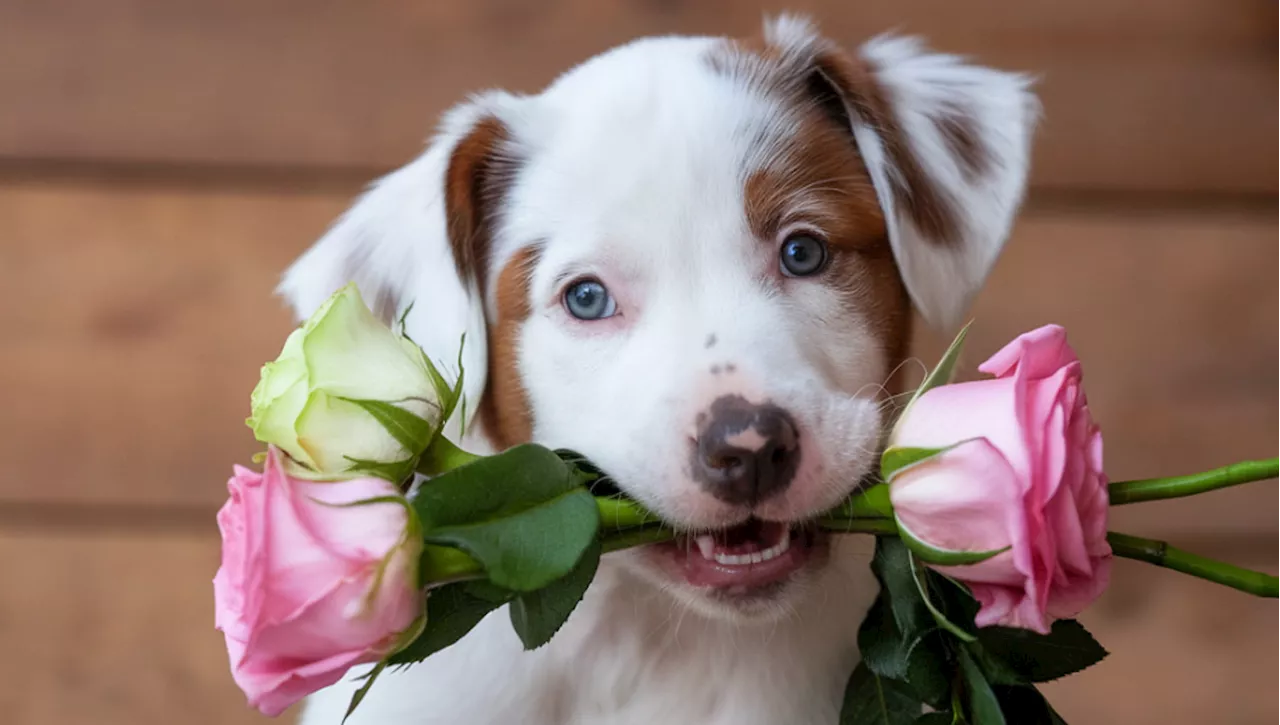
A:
(342, 353)
(1026, 477)
(309, 586)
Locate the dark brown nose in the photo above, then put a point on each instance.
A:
(746, 453)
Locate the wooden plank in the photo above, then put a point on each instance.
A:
(1175, 319)
(135, 325)
(1171, 96)
(117, 629)
(136, 321)
(113, 630)
(1182, 651)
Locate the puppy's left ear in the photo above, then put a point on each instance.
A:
(947, 145)
(422, 236)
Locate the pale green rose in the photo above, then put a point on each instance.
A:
(336, 399)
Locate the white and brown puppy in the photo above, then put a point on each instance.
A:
(694, 260)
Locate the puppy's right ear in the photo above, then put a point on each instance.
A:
(421, 237)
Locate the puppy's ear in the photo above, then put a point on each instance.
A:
(947, 146)
(420, 237)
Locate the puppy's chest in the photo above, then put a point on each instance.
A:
(642, 690)
(683, 672)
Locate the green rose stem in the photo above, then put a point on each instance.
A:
(1155, 489)
(625, 524)
(636, 537)
(1162, 554)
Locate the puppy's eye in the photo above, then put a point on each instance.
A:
(588, 300)
(803, 255)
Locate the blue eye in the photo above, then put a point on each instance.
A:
(803, 255)
(589, 300)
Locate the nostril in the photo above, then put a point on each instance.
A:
(779, 455)
(746, 453)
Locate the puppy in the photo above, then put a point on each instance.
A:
(695, 261)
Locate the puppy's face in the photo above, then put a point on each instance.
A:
(690, 265)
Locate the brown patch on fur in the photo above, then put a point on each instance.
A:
(914, 192)
(504, 410)
(478, 175)
(819, 165)
(959, 132)
(802, 68)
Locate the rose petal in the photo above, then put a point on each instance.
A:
(961, 500)
(949, 414)
(1037, 354)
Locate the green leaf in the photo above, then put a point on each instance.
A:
(936, 718)
(983, 707)
(522, 514)
(998, 671)
(944, 370)
(452, 611)
(893, 568)
(537, 616)
(1026, 706)
(919, 576)
(449, 395)
(921, 661)
(409, 429)
(357, 697)
(396, 472)
(953, 598)
(1037, 657)
(880, 642)
(929, 669)
(873, 700)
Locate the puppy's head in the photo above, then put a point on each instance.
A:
(694, 260)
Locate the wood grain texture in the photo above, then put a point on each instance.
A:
(136, 321)
(1172, 96)
(135, 324)
(1182, 651)
(1175, 319)
(113, 631)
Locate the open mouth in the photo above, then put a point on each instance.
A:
(748, 556)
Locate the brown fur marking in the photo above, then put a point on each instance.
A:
(819, 166)
(960, 133)
(504, 411)
(915, 193)
(479, 174)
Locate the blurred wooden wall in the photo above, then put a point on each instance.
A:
(162, 160)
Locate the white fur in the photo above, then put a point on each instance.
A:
(631, 170)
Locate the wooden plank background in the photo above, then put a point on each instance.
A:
(162, 161)
(1139, 95)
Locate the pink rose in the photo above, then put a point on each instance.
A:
(1029, 479)
(309, 587)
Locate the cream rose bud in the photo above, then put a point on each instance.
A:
(314, 402)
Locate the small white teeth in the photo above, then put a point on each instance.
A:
(707, 545)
